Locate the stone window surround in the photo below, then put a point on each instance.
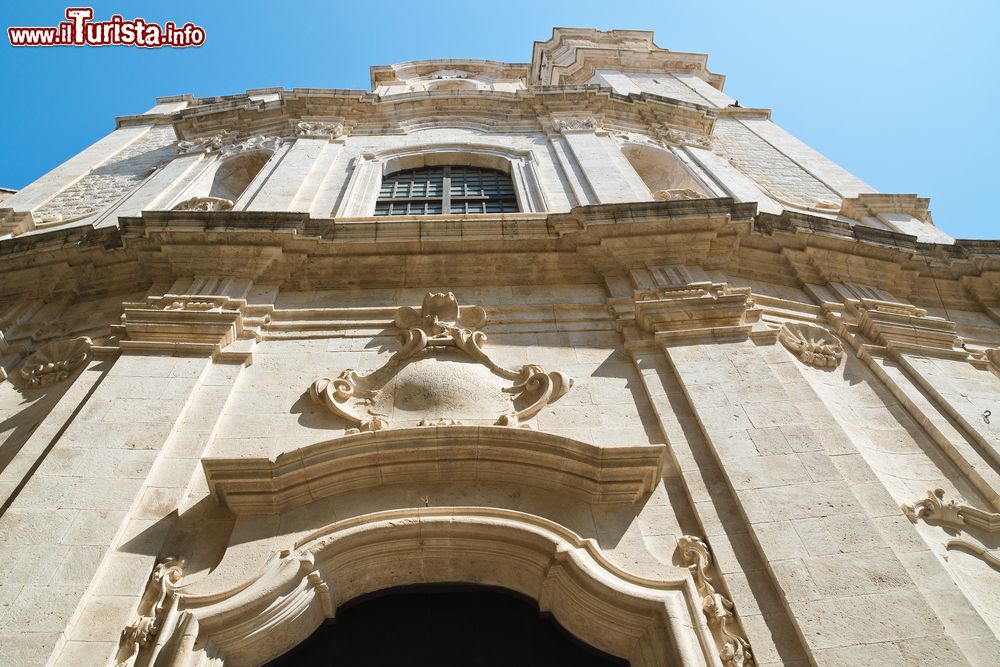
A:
(369, 168)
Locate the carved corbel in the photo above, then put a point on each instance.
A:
(439, 324)
(54, 362)
(811, 344)
(734, 650)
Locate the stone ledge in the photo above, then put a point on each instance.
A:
(436, 453)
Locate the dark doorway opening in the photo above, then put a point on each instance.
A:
(443, 626)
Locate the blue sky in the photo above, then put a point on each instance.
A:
(903, 94)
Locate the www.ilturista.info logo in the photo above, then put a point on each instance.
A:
(80, 30)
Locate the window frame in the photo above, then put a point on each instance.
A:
(448, 197)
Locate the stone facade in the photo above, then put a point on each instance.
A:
(706, 397)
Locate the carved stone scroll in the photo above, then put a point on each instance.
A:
(154, 611)
(960, 517)
(440, 325)
(934, 508)
(734, 650)
(54, 362)
(811, 344)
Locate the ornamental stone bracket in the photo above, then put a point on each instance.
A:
(958, 517)
(813, 345)
(430, 374)
(734, 649)
(699, 312)
(53, 362)
(223, 327)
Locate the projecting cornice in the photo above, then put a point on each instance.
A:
(572, 55)
(588, 245)
(366, 113)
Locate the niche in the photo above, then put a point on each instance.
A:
(235, 174)
(663, 173)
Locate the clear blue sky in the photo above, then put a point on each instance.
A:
(903, 94)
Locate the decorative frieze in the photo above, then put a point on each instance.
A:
(316, 129)
(226, 143)
(364, 400)
(813, 345)
(734, 649)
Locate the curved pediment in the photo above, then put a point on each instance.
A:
(430, 454)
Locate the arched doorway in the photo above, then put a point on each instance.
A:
(443, 625)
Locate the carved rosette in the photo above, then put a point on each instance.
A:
(440, 324)
(734, 650)
(54, 362)
(204, 204)
(811, 344)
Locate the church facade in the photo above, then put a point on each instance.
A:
(583, 329)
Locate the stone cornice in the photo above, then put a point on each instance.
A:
(585, 245)
(400, 456)
(574, 54)
(366, 113)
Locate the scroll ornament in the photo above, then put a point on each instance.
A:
(734, 650)
(438, 325)
(811, 344)
(955, 515)
(156, 605)
(54, 362)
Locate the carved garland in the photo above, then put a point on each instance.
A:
(440, 323)
(734, 650)
(811, 344)
(54, 362)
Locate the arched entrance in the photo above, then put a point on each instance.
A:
(444, 625)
